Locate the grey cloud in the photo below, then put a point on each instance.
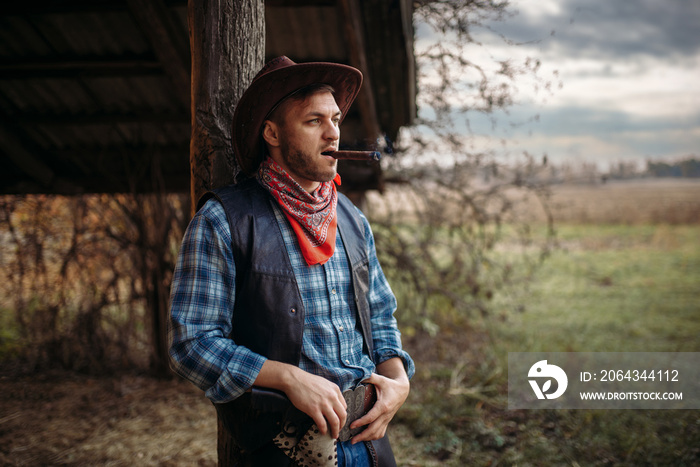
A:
(643, 136)
(583, 120)
(667, 29)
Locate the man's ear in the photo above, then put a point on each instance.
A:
(270, 133)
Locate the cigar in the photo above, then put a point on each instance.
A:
(354, 155)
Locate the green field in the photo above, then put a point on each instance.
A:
(631, 286)
(613, 289)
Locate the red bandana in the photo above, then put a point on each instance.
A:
(311, 215)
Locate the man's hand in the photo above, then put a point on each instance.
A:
(317, 397)
(392, 385)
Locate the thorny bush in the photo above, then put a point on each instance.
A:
(84, 278)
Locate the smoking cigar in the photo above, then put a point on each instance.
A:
(354, 155)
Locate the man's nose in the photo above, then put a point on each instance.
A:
(332, 131)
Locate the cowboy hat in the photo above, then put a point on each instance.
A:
(278, 79)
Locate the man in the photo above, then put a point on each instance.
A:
(280, 311)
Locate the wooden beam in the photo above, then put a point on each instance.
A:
(35, 169)
(350, 15)
(80, 67)
(152, 17)
(227, 43)
(103, 118)
(117, 152)
(144, 168)
(389, 33)
(169, 183)
(43, 7)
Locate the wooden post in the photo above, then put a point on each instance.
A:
(227, 44)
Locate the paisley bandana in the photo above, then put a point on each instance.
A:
(311, 215)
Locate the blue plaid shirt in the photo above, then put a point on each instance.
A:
(201, 306)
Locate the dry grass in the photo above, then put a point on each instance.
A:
(65, 419)
(639, 201)
(645, 201)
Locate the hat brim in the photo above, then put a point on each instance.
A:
(266, 91)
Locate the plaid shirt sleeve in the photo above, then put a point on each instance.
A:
(201, 306)
(382, 303)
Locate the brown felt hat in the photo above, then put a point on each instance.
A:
(278, 79)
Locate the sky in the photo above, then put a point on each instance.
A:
(629, 72)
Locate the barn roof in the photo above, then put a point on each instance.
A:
(93, 93)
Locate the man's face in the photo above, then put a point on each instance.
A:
(307, 129)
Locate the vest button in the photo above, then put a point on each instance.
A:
(293, 310)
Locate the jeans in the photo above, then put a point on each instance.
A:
(353, 455)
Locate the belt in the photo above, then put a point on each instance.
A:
(359, 401)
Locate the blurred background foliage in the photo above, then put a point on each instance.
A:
(86, 278)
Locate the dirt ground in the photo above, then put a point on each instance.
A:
(68, 419)
(63, 418)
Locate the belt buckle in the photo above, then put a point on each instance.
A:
(355, 400)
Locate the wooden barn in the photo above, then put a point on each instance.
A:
(95, 94)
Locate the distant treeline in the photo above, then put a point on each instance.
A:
(586, 172)
(687, 168)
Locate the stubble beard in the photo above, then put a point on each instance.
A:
(305, 165)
